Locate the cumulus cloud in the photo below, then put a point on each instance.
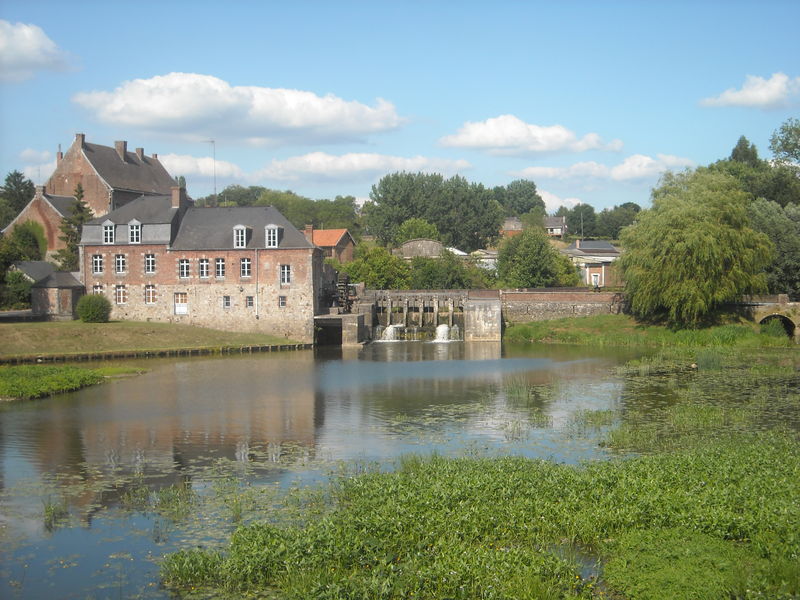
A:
(778, 91)
(553, 202)
(195, 106)
(36, 156)
(636, 166)
(327, 167)
(508, 135)
(25, 50)
(205, 166)
(39, 172)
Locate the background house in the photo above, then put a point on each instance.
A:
(594, 260)
(335, 243)
(555, 226)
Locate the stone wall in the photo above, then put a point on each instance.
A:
(522, 307)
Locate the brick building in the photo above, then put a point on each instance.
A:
(335, 243)
(110, 177)
(234, 268)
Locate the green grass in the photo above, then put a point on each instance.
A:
(35, 381)
(75, 337)
(623, 330)
(518, 528)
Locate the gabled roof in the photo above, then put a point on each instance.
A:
(63, 204)
(212, 228)
(593, 247)
(145, 209)
(59, 279)
(146, 174)
(35, 270)
(328, 238)
(553, 222)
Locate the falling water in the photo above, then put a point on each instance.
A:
(442, 333)
(390, 333)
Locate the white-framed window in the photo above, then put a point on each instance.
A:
(97, 289)
(248, 301)
(120, 264)
(108, 233)
(150, 294)
(97, 264)
(281, 301)
(226, 302)
(219, 267)
(181, 300)
(134, 233)
(203, 267)
(239, 236)
(149, 263)
(286, 274)
(272, 236)
(183, 268)
(121, 294)
(244, 267)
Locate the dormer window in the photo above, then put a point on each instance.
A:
(240, 236)
(108, 233)
(272, 235)
(134, 233)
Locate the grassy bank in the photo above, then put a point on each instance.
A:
(37, 381)
(623, 330)
(75, 337)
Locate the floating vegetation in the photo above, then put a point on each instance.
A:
(55, 513)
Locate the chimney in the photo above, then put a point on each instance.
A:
(179, 199)
(140, 154)
(309, 233)
(39, 190)
(122, 149)
(80, 138)
(155, 156)
(577, 243)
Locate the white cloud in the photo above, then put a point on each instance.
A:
(196, 107)
(39, 172)
(553, 202)
(36, 156)
(327, 167)
(205, 166)
(780, 90)
(636, 166)
(25, 50)
(507, 135)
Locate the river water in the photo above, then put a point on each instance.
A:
(73, 466)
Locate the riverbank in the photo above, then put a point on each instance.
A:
(75, 341)
(36, 381)
(624, 330)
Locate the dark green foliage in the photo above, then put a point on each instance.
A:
(782, 226)
(745, 152)
(518, 197)
(17, 291)
(28, 382)
(785, 142)
(447, 272)
(24, 242)
(378, 269)
(528, 260)
(7, 213)
(694, 250)
(466, 214)
(609, 222)
(71, 228)
(582, 221)
(94, 308)
(18, 190)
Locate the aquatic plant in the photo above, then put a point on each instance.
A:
(34, 381)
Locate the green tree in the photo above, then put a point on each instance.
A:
(581, 221)
(416, 228)
(609, 222)
(745, 152)
(518, 197)
(528, 260)
(782, 226)
(7, 213)
(17, 293)
(448, 272)
(71, 228)
(18, 190)
(785, 142)
(26, 241)
(693, 250)
(378, 269)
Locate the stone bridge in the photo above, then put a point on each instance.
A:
(763, 309)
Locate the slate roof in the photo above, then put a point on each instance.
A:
(212, 228)
(59, 279)
(145, 209)
(553, 222)
(145, 175)
(327, 238)
(36, 270)
(63, 204)
(593, 247)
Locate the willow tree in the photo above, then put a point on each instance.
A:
(693, 250)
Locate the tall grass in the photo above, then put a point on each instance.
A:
(35, 381)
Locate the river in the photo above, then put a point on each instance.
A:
(73, 466)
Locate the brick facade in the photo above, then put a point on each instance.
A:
(40, 210)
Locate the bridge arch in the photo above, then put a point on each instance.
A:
(789, 326)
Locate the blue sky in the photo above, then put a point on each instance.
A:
(591, 100)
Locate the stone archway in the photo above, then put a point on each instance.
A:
(788, 325)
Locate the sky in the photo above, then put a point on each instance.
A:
(591, 100)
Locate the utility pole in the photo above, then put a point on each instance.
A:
(214, 159)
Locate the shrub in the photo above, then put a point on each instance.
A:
(93, 308)
(17, 290)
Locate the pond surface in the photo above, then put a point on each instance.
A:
(86, 478)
